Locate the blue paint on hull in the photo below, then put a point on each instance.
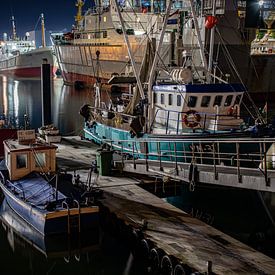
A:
(37, 217)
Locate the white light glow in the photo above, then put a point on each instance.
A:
(261, 2)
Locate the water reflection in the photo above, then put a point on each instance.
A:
(23, 96)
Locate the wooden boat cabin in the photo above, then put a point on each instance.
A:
(26, 155)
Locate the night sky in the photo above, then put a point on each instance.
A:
(59, 15)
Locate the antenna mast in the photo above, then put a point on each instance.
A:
(43, 30)
(14, 35)
(79, 4)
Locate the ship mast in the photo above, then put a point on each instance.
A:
(79, 4)
(14, 35)
(43, 30)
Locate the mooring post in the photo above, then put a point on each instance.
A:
(46, 92)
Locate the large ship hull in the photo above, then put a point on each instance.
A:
(28, 64)
(80, 62)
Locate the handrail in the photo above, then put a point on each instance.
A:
(68, 209)
(79, 214)
(213, 153)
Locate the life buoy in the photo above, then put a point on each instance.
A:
(232, 111)
(196, 119)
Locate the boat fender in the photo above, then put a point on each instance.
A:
(179, 270)
(144, 249)
(166, 265)
(154, 258)
(193, 176)
(137, 126)
(196, 119)
(86, 112)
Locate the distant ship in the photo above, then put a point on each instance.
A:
(96, 49)
(21, 58)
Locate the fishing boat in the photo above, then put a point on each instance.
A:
(168, 118)
(21, 58)
(95, 49)
(31, 194)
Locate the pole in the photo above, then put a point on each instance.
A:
(196, 25)
(211, 45)
(43, 31)
(46, 92)
(130, 51)
(155, 61)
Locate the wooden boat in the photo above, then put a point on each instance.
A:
(21, 235)
(32, 195)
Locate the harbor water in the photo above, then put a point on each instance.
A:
(239, 213)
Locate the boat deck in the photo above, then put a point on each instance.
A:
(189, 240)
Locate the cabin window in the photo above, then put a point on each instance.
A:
(217, 100)
(205, 101)
(155, 98)
(21, 161)
(238, 99)
(228, 100)
(161, 98)
(40, 160)
(170, 99)
(192, 101)
(178, 100)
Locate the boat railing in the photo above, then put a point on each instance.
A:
(16, 189)
(230, 153)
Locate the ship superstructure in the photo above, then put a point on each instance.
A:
(20, 57)
(96, 49)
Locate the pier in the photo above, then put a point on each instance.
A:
(203, 161)
(169, 237)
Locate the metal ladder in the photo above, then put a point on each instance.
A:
(73, 221)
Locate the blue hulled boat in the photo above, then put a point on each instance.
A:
(30, 193)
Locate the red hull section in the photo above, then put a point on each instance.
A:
(6, 134)
(27, 72)
(71, 78)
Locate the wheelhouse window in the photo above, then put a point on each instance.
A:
(40, 160)
(155, 98)
(170, 99)
(178, 100)
(238, 100)
(21, 161)
(217, 100)
(205, 101)
(161, 98)
(228, 100)
(192, 101)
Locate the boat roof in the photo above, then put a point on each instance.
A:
(201, 88)
(14, 145)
